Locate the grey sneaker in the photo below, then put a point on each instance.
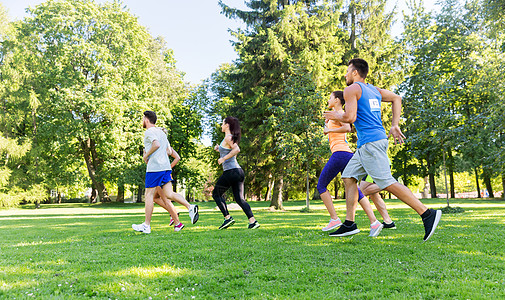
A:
(375, 229)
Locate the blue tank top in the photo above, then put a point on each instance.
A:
(368, 117)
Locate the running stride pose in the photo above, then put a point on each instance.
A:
(159, 172)
(363, 108)
(233, 175)
(341, 154)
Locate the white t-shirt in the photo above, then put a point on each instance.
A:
(158, 161)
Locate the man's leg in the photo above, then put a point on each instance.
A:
(171, 195)
(149, 204)
(404, 194)
(351, 198)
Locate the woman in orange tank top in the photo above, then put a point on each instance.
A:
(341, 154)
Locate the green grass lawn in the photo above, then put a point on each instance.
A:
(81, 251)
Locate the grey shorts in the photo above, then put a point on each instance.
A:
(372, 159)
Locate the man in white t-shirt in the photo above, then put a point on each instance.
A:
(159, 172)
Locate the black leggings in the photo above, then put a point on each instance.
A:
(233, 178)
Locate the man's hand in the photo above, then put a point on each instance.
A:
(397, 134)
(326, 130)
(146, 158)
(332, 115)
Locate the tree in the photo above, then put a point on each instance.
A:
(86, 66)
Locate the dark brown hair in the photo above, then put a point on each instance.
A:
(151, 116)
(359, 65)
(234, 128)
(339, 95)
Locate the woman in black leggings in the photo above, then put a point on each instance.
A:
(233, 175)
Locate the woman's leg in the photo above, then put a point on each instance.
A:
(166, 204)
(330, 171)
(237, 186)
(222, 185)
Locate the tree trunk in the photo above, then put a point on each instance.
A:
(352, 39)
(120, 192)
(426, 187)
(307, 195)
(487, 180)
(503, 185)
(337, 185)
(140, 192)
(316, 195)
(92, 163)
(59, 198)
(270, 188)
(277, 195)
(431, 175)
(477, 182)
(450, 169)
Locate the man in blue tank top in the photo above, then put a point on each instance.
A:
(363, 108)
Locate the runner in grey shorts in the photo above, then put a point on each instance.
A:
(363, 109)
(371, 159)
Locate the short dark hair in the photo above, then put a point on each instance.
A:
(359, 65)
(151, 116)
(339, 95)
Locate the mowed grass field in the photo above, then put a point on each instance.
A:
(80, 251)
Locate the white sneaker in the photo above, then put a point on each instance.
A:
(193, 213)
(333, 224)
(375, 228)
(142, 228)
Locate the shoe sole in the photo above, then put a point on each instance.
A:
(227, 225)
(331, 228)
(179, 228)
(196, 216)
(438, 216)
(376, 233)
(355, 231)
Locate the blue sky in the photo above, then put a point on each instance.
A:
(194, 29)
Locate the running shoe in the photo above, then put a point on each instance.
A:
(431, 222)
(375, 228)
(254, 225)
(345, 230)
(333, 224)
(193, 213)
(179, 227)
(390, 225)
(227, 223)
(142, 228)
(172, 221)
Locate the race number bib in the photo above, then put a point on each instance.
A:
(374, 105)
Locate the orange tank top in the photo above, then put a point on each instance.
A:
(338, 141)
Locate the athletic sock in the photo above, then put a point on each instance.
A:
(426, 214)
(348, 223)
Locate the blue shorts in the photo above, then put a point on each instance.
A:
(154, 179)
